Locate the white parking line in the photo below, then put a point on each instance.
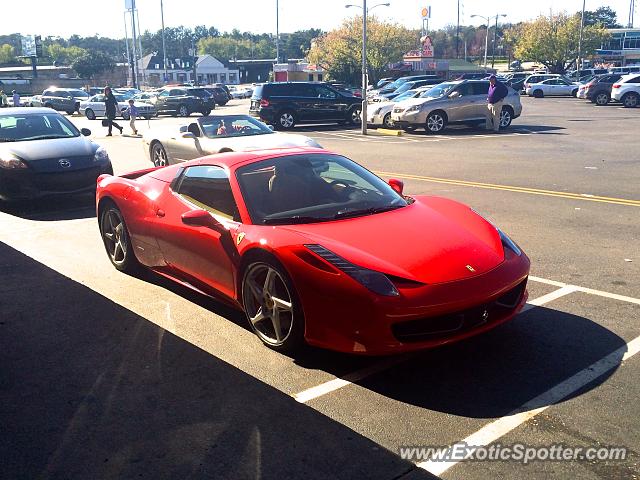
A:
(494, 430)
(591, 291)
(338, 383)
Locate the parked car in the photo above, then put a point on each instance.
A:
(576, 76)
(304, 241)
(516, 80)
(625, 70)
(393, 86)
(215, 134)
(184, 101)
(219, 95)
(537, 78)
(240, 92)
(285, 104)
(472, 76)
(95, 107)
(598, 90)
(406, 87)
(552, 87)
(148, 97)
(35, 101)
(380, 114)
(44, 154)
(462, 101)
(627, 90)
(63, 99)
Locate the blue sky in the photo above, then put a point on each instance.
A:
(105, 17)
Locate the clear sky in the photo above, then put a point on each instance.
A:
(105, 17)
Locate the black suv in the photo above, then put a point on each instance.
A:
(219, 94)
(599, 89)
(184, 101)
(63, 99)
(285, 104)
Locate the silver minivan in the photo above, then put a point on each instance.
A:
(462, 101)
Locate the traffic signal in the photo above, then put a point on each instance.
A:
(38, 40)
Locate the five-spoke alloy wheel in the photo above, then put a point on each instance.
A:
(159, 155)
(270, 303)
(116, 239)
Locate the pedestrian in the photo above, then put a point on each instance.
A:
(497, 93)
(16, 99)
(3, 99)
(111, 107)
(132, 110)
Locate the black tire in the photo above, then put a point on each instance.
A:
(222, 104)
(538, 94)
(574, 93)
(286, 120)
(506, 117)
(183, 111)
(601, 98)
(159, 155)
(436, 122)
(409, 128)
(47, 105)
(354, 115)
(205, 112)
(148, 117)
(70, 112)
(125, 115)
(256, 300)
(386, 121)
(90, 114)
(630, 100)
(114, 232)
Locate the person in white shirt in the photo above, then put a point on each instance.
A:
(16, 99)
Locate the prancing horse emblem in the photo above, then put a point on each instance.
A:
(239, 238)
(470, 268)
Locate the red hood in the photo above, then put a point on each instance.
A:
(434, 240)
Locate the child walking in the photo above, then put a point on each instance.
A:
(133, 113)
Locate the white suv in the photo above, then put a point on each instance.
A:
(627, 90)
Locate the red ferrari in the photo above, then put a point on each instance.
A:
(316, 249)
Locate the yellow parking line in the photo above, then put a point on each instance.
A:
(532, 191)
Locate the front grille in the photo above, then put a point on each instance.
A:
(67, 181)
(443, 326)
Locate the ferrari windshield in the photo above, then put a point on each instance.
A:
(439, 90)
(310, 188)
(222, 126)
(35, 126)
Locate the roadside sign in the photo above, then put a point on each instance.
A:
(426, 12)
(28, 46)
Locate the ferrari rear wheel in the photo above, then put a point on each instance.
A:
(159, 155)
(272, 307)
(116, 239)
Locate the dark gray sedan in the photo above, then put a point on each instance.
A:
(42, 154)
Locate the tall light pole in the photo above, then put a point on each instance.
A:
(277, 32)
(164, 46)
(495, 40)
(365, 11)
(486, 37)
(579, 59)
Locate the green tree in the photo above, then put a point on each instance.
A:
(64, 55)
(7, 54)
(604, 16)
(339, 51)
(92, 63)
(553, 41)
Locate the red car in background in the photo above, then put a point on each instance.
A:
(316, 249)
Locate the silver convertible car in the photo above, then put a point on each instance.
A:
(215, 134)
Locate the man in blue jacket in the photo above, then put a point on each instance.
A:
(497, 93)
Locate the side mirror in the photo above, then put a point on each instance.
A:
(202, 218)
(454, 95)
(188, 135)
(397, 185)
(85, 131)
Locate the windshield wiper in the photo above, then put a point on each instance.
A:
(366, 211)
(7, 139)
(46, 137)
(294, 219)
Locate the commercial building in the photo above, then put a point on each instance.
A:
(622, 49)
(180, 70)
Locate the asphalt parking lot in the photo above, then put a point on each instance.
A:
(105, 375)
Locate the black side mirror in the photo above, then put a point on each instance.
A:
(85, 131)
(202, 218)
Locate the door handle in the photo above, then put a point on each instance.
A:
(160, 213)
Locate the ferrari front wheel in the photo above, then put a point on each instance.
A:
(272, 307)
(159, 155)
(117, 242)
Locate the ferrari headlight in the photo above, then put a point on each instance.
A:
(11, 162)
(414, 108)
(508, 243)
(101, 155)
(377, 282)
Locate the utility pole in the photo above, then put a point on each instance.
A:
(363, 111)
(133, 33)
(164, 46)
(277, 32)
(458, 33)
(632, 9)
(579, 59)
(126, 37)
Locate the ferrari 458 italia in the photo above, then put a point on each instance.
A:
(316, 249)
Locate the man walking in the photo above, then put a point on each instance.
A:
(16, 99)
(497, 93)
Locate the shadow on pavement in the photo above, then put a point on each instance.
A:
(54, 208)
(89, 389)
(493, 374)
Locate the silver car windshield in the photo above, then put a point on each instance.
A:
(232, 126)
(405, 95)
(26, 127)
(438, 91)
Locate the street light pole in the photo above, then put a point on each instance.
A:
(579, 60)
(277, 32)
(486, 37)
(164, 46)
(495, 40)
